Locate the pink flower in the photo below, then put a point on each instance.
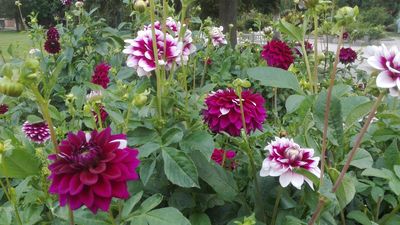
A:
(223, 111)
(53, 34)
(224, 157)
(103, 114)
(347, 55)
(3, 109)
(217, 36)
(100, 75)
(283, 157)
(36, 132)
(92, 168)
(140, 51)
(387, 61)
(277, 54)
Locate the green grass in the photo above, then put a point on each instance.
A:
(20, 40)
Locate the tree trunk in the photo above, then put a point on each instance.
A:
(228, 15)
(16, 17)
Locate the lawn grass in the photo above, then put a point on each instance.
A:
(20, 40)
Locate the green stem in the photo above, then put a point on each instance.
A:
(155, 52)
(111, 217)
(303, 49)
(44, 107)
(316, 62)
(10, 199)
(276, 104)
(99, 120)
(276, 206)
(128, 114)
(71, 216)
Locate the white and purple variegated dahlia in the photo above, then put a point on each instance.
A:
(141, 55)
(177, 50)
(387, 61)
(217, 36)
(223, 111)
(36, 132)
(284, 155)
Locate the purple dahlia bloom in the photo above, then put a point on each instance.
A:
(3, 109)
(92, 168)
(347, 55)
(277, 54)
(36, 132)
(100, 75)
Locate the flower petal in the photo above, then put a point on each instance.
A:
(384, 80)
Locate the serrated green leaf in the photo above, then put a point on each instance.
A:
(346, 191)
(146, 170)
(362, 159)
(293, 32)
(19, 163)
(199, 140)
(179, 168)
(130, 204)
(360, 217)
(392, 155)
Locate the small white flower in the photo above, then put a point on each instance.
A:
(34, 51)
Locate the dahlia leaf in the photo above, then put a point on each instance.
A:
(179, 168)
(275, 77)
(171, 136)
(198, 140)
(147, 149)
(199, 219)
(350, 103)
(360, 217)
(362, 159)
(146, 170)
(217, 177)
(346, 191)
(294, 33)
(149, 204)
(19, 163)
(294, 102)
(314, 179)
(358, 113)
(166, 216)
(130, 204)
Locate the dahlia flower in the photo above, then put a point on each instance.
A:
(103, 114)
(223, 111)
(52, 46)
(308, 46)
(347, 55)
(141, 55)
(100, 75)
(140, 50)
(3, 109)
(284, 155)
(387, 61)
(224, 157)
(92, 168)
(345, 35)
(66, 2)
(277, 54)
(53, 34)
(36, 132)
(217, 36)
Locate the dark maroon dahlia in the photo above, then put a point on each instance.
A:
(347, 55)
(100, 75)
(223, 111)
(36, 132)
(92, 168)
(3, 109)
(224, 158)
(297, 48)
(52, 46)
(103, 114)
(277, 54)
(53, 34)
(346, 35)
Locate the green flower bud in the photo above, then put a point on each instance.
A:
(11, 88)
(7, 70)
(2, 148)
(87, 109)
(241, 83)
(346, 15)
(140, 6)
(32, 64)
(140, 99)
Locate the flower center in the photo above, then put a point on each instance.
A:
(293, 154)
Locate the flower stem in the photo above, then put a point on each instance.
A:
(155, 54)
(44, 107)
(315, 216)
(111, 217)
(10, 199)
(327, 108)
(303, 49)
(358, 141)
(71, 216)
(276, 206)
(316, 63)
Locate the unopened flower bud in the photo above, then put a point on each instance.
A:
(79, 4)
(346, 15)
(140, 6)
(231, 25)
(32, 64)
(140, 99)
(241, 83)
(87, 109)
(6, 70)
